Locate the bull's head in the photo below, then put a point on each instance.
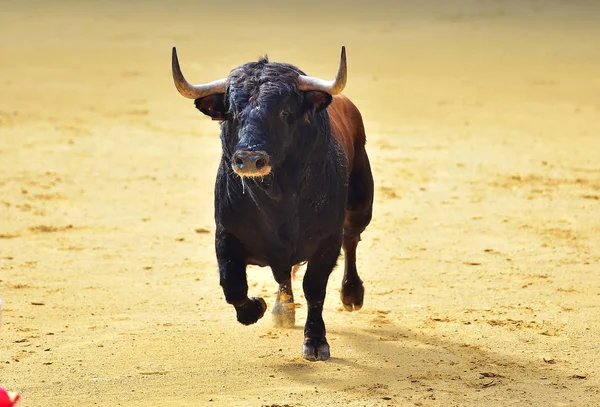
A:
(263, 106)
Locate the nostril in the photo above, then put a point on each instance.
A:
(260, 163)
(238, 162)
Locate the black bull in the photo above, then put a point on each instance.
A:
(294, 184)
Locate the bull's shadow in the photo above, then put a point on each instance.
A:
(394, 361)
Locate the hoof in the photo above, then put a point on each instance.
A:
(251, 311)
(284, 315)
(352, 296)
(315, 349)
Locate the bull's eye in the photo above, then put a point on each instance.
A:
(285, 114)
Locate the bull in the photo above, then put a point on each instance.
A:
(294, 185)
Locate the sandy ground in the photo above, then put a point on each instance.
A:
(481, 265)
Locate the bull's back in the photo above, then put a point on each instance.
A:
(347, 127)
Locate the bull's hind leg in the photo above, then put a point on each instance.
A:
(353, 291)
(358, 215)
(284, 311)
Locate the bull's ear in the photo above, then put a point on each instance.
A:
(213, 106)
(315, 101)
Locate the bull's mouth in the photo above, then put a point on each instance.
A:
(262, 180)
(251, 163)
(266, 170)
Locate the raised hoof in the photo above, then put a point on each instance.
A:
(352, 296)
(251, 311)
(284, 316)
(315, 349)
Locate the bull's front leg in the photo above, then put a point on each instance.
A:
(320, 266)
(232, 273)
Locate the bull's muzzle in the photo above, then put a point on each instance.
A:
(251, 163)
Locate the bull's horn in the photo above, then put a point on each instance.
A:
(333, 87)
(194, 91)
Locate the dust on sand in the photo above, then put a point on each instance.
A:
(480, 266)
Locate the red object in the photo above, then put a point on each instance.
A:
(8, 398)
